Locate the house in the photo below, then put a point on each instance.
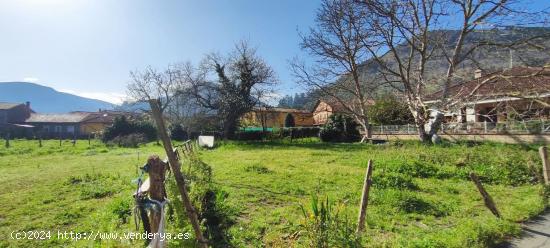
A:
(519, 93)
(73, 124)
(267, 117)
(12, 115)
(57, 125)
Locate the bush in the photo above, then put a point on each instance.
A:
(388, 110)
(178, 133)
(123, 127)
(130, 140)
(340, 128)
(300, 132)
(289, 120)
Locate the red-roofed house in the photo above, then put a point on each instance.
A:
(518, 93)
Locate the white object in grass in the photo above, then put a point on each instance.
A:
(207, 141)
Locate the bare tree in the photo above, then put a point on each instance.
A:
(153, 84)
(338, 51)
(403, 37)
(228, 85)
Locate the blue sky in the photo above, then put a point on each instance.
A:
(89, 47)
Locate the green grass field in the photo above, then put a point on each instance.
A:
(421, 195)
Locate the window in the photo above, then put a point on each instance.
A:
(70, 129)
(58, 129)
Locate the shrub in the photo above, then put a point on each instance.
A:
(124, 127)
(300, 132)
(178, 133)
(340, 128)
(289, 120)
(388, 110)
(130, 140)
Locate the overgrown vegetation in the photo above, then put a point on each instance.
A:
(420, 197)
(340, 128)
(178, 133)
(129, 133)
(388, 110)
(208, 199)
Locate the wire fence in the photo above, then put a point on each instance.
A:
(518, 127)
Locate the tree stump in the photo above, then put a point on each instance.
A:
(157, 172)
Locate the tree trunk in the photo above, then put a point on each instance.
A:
(366, 128)
(229, 127)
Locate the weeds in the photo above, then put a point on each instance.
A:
(325, 226)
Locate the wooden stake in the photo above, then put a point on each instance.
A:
(175, 168)
(543, 151)
(365, 198)
(8, 140)
(489, 203)
(157, 169)
(40, 141)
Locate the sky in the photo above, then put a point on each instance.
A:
(88, 47)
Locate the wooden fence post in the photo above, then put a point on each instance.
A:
(543, 151)
(8, 140)
(365, 198)
(175, 168)
(59, 139)
(489, 203)
(157, 171)
(40, 141)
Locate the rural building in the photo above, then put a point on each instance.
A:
(12, 115)
(519, 93)
(73, 124)
(323, 109)
(275, 117)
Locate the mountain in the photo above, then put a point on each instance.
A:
(47, 100)
(489, 58)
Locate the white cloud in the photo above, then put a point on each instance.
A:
(112, 97)
(30, 79)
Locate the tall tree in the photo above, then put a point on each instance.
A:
(154, 84)
(241, 79)
(403, 37)
(338, 51)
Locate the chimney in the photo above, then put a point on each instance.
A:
(28, 108)
(478, 73)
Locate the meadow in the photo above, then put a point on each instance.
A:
(421, 195)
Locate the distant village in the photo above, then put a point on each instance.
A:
(492, 103)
